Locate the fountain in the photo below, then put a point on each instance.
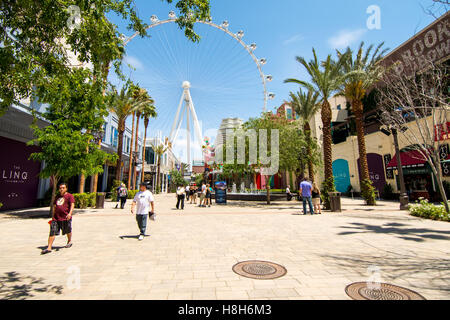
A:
(243, 187)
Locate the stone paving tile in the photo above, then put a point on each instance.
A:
(193, 254)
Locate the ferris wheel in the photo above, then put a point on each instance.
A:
(218, 74)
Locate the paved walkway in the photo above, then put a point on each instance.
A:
(190, 253)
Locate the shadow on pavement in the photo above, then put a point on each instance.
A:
(402, 231)
(15, 286)
(53, 248)
(28, 214)
(419, 272)
(132, 237)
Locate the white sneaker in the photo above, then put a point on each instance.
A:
(141, 237)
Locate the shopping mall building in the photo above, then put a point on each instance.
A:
(20, 184)
(432, 43)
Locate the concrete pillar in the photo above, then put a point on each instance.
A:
(105, 178)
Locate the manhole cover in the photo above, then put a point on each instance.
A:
(262, 270)
(382, 291)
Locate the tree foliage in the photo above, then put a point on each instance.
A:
(38, 37)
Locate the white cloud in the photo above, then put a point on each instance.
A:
(133, 61)
(293, 39)
(345, 38)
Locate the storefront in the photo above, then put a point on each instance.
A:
(19, 176)
(420, 182)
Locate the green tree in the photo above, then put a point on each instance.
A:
(76, 109)
(361, 73)
(159, 151)
(291, 142)
(326, 78)
(306, 106)
(177, 179)
(123, 104)
(37, 36)
(145, 100)
(148, 111)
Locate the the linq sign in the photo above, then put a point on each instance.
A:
(430, 45)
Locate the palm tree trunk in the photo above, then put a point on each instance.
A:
(130, 165)
(327, 140)
(157, 175)
(365, 177)
(121, 128)
(143, 153)
(136, 147)
(307, 129)
(358, 112)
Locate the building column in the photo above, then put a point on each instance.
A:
(105, 178)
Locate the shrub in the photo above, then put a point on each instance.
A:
(132, 193)
(427, 210)
(328, 186)
(84, 200)
(368, 192)
(115, 185)
(388, 192)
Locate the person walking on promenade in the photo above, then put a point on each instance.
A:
(180, 197)
(118, 195)
(305, 191)
(61, 217)
(194, 194)
(142, 202)
(123, 195)
(203, 196)
(209, 192)
(316, 199)
(188, 187)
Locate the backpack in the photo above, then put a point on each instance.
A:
(123, 192)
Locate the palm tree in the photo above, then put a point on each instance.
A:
(306, 106)
(361, 73)
(142, 98)
(123, 105)
(148, 111)
(159, 151)
(326, 78)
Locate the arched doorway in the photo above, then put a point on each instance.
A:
(341, 175)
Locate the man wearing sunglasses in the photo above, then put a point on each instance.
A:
(61, 217)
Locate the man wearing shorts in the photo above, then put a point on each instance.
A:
(203, 196)
(305, 191)
(61, 217)
(142, 202)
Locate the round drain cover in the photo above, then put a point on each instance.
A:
(262, 270)
(382, 291)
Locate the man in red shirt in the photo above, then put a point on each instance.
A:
(61, 217)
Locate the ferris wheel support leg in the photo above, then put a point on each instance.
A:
(174, 125)
(198, 131)
(178, 130)
(188, 133)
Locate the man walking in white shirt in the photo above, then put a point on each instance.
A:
(143, 200)
(180, 197)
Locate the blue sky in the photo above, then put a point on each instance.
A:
(225, 79)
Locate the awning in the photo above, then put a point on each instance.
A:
(410, 159)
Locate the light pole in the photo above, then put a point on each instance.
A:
(404, 199)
